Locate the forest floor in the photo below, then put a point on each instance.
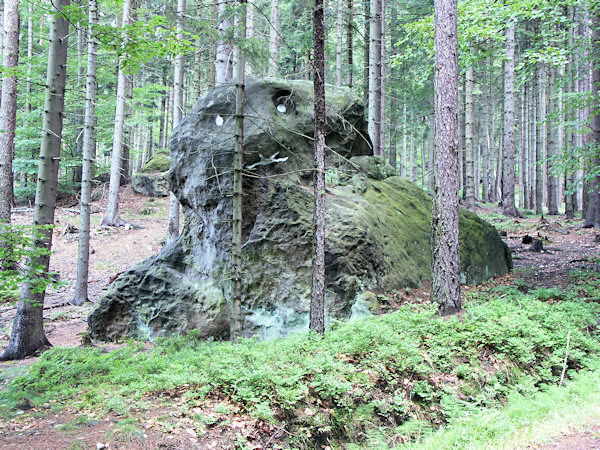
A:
(566, 247)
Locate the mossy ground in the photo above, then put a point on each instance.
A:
(391, 377)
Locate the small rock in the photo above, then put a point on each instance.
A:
(24, 404)
(537, 246)
(527, 239)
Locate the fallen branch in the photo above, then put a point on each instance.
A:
(562, 375)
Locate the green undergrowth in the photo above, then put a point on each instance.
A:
(390, 377)
(525, 419)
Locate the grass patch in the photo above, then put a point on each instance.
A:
(388, 378)
(501, 222)
(524, 419)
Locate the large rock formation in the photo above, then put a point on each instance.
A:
(378, 226)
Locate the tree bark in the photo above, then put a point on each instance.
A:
(83, 257)
(111, 218)
(445, 286)
(274, 38)
(552, 131)
(374, 122)
(339, 49)
(224, 59)
(317, 306)
(485, 149)
(538, 143)
(404, 168)
(508, 167)
(349, 41)
(27, 335)
(592, 218)
(178, 80)
(382, 83)
(8, 106)
(469, 145)
(522, 152)
(237, 318)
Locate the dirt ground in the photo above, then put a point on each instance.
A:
(565, 247)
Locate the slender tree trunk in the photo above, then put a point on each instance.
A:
(493, 150)
(593, 211)
(8, 107)
(249, 30)
(83, 257)
(274, 39)
(349, 40)
(552, 146)
(485, 149)
(317, 306)
(522, 152)
(469, 145)
(374, 122)
(111, 218)
(237, 318)
(382, 84)
(393, 155)
(339, 49)
(403, 169)
(413, 159)
(224, 60)
(27, 335)
(508, 167)
(445, 286)
(423, 159)
(532, 142)
(430, 173)
(367, 51)
(538, 144)
(463, 130)
(178, 79)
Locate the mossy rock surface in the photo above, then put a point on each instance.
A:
(377, 226)
(158, 163)
(151, 184)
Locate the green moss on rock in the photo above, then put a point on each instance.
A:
(158, 163)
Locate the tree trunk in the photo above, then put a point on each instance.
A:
(317, 306)
(178, 80)
(522, 151)
(367, 51)
(430, 171)
(469, 146)
(552, 146)
(274, 38)
(83, 257)
(593, 211)
(382, 84)
(111, 218)
(462, 153)
(8, 106)
(349, 40)
(403, 169)
(339, 50)
(237, 318)
(445, 286)
(485, 149)
(374, 123)
(224, 59)
(538, 143)
(27, 335)
(508, 167)
(493, 150)
(393, 154)
(532, 142)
